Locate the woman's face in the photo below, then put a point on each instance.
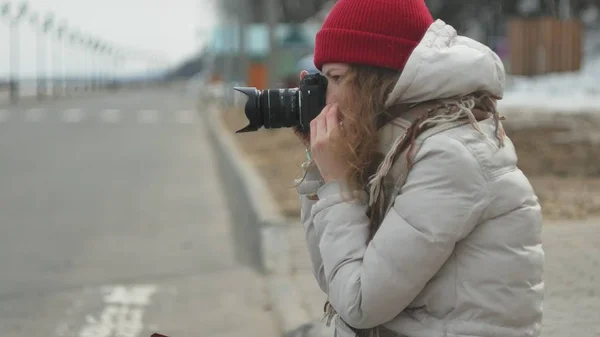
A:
(336, 74)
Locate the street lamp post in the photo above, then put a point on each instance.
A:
(76, 59)
(94, 46)
(15, 54)
(90, 50)
(59, 61)
(34, 20)
(13, 46)
(83, 42)
(43, 55)
(108, 77)
(103, 50)
(5, 13)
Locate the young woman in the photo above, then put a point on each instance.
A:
(418, 221)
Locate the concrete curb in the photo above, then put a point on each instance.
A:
(264, 215)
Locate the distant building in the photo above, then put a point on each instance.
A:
(296, 41)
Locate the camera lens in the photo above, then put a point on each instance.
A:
(252, 109)
(271, 108)
(282, 108)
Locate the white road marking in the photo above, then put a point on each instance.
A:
(122, 314)
(185, 117)
(34, 115)
(73, 115)
(136, 295)
(111, 115)
(147, 116)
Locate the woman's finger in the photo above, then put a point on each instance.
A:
(321, 128)
(302, 74)
(332, 119)
(315, 132)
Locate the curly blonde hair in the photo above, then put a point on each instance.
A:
(363, 111)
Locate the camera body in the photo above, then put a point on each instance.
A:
(278, 108)
(313, 96)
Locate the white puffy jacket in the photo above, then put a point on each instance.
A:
(460, 252)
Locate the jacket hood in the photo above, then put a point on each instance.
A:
(444, 65)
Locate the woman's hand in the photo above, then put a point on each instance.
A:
(303, 136)
(324, 133)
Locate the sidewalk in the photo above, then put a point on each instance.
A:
(572, 304)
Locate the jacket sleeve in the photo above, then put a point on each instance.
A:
(441, 202)
(307, 190)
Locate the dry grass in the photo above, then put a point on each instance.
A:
(565, 174)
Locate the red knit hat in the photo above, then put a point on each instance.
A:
(379, 33)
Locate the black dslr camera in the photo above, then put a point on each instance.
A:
(285, 108)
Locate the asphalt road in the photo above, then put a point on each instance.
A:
(113, 223)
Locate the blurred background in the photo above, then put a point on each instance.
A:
(119, 215)
(51, 48)
(533, 37)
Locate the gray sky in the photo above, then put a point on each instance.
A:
(165, 26)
